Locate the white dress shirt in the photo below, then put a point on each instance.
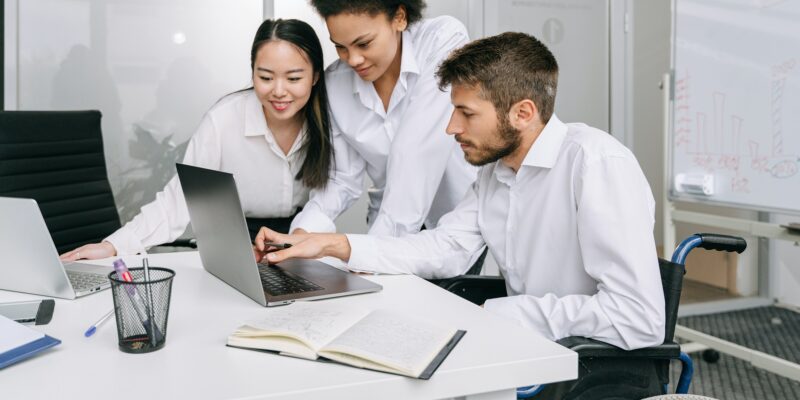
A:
(572, 232)
(232, 137)
(418, 172)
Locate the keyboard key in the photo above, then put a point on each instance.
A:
(278, 282)
(85, 280)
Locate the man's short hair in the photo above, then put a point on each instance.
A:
(506, 68)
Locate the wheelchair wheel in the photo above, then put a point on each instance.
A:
(710, 356)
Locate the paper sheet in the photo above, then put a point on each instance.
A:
(14, 334)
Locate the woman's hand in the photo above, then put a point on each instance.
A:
(90, 251)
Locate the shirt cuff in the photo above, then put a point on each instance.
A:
(125, 242)
(510, 307)
(312, 220)
(362, 253)
(504, 306)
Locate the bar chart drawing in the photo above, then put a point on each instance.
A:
(736, 103)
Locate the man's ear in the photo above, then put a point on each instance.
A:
(523, 114)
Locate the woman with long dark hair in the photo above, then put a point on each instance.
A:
(274, 137)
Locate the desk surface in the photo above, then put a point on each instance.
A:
(493, 357)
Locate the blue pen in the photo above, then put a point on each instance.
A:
(92, 329)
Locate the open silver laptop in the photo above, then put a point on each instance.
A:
(227, 253)
(30, 261)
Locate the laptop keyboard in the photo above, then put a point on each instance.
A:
(278, 282)
(85, 280)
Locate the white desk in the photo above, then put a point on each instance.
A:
(494, 356)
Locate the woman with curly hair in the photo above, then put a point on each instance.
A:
(389, 118)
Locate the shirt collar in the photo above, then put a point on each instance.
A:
(408, 65)
(408, 60)
(254, 122)
(298, 142)
(547, 146)
(543, 153)
(256, 125)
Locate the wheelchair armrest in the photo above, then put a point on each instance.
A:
(586, 347)
(476, 288)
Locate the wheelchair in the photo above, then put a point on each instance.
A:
(606, 371)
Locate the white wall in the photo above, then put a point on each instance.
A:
(577, 33)
(651, 27)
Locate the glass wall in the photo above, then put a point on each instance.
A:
(151, 67)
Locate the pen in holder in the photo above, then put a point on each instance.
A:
(141, 307)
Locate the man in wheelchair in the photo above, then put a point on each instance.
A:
(564, 208)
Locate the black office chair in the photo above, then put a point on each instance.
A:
(56, 158)
(606, 371)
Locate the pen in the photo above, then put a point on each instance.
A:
(278, 245)
(136, 300)
(92, 329)
(146, 266)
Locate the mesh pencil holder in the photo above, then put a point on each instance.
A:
(141, 308)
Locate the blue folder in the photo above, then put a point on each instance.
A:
(27, 350)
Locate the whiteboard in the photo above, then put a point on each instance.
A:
(736, 103)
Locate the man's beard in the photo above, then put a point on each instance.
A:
(509, 140)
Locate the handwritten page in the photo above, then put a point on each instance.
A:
(315, 323)
(393, 340)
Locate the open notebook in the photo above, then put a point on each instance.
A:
(380, 340)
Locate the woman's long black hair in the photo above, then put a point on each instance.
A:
(317, 146)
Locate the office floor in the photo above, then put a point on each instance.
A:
(733, 379)
(772, 330)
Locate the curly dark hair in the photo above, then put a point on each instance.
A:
(327, 8)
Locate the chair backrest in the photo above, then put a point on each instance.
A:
(672, 283)
(56, 158)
